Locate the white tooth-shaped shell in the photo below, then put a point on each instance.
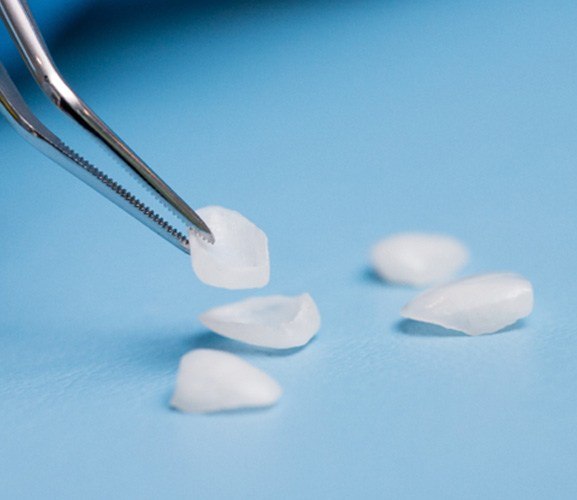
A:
(276, 321)
(418, 259)
(239, 257)
(210, 381)
(480, 304)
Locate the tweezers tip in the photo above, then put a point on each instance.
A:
(203, 234)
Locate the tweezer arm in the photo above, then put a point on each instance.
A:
(26, 35)
(13, 107)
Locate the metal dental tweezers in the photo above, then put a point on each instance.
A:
(24, 31)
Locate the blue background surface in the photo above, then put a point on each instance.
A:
(330, 124)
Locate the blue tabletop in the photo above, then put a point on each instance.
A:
(330, 124)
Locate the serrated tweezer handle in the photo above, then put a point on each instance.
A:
(26, 35)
